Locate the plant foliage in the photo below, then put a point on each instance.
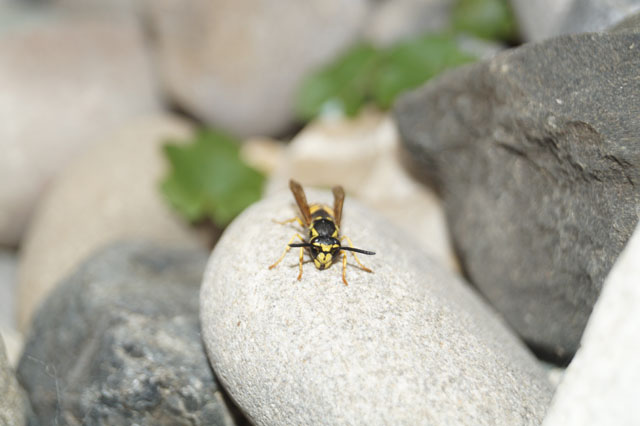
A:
(208, 178)
(368, 74)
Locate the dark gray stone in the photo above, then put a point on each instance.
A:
(537, 155)
(119, 343)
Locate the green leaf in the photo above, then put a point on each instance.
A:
(343, 84)
(365, 74)
(209, 180)
(489, 19)
(409, 64)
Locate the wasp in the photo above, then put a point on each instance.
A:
(323, 224)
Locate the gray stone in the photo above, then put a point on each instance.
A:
(119, 343)
(537, 155)
(407, 344)
(13, 402)
(602, 383)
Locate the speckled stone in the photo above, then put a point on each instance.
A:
(118, 343)
(408, 344)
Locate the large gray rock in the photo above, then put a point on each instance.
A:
(537, 154)
(602, 384)
(407, 344)
(119, 343)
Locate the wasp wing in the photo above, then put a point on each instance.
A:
(338, 201)
(301, 200)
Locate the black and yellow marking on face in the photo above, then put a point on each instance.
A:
(324, 240)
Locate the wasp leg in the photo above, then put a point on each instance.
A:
(301, 257)
(287, 249)
(354, 255)
(293, 219)
(344, 268)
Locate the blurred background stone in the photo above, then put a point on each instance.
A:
(537, 155)
(393, 20)
(65, 81)
(364, 156)
(602, 383)
(118, 343)
(108, 193)
(544, 19)
(237, 65)
(631, 23)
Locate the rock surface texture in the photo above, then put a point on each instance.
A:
(537, 155)
(407, 344)
(119, 343)
(602, 384)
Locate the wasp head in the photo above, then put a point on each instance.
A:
(324, 250)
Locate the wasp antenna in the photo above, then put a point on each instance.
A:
(357, 250)
(299, 245)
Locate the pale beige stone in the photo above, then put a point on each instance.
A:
(14, 342)
(65, 80)
(363, 155)
(238, 64)
(109, 193)
(13, 408)
(263, 154)
(408, 344)
(392, 21)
